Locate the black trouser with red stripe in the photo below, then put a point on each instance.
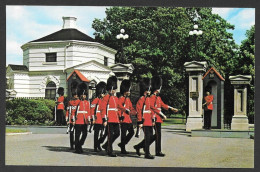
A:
(102, 139)
(60, 116)
(97, 130)
(145, 143)
(113, 134)
(80, 128)
(157, 137)
(126, 138)
(71, 136)
(207, 119)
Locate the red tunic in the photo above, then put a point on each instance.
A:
(123, 105)
(72, 107)
(95, 107)
(158, 103)
(109, 109)
(146, 112)
(83, 112)
(209, 100)
(60, 101)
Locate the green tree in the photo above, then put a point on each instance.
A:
(247, 66)
(159, 43)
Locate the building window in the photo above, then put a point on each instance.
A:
(50, 91)
(51, 57)
(105, 61)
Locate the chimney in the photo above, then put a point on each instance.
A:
(69, 22)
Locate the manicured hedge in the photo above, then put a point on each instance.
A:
(29, 111)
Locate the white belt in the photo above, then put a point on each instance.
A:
(115, 109)
(98, 111)
(146, 111)
(82, 111)
(159, 108)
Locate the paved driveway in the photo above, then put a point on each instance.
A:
(181, 151)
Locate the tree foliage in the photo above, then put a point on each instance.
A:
(159, 43)
(247, 66)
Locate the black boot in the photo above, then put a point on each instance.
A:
(99, 148)
(160, 154)
(112, 154)
(137, 149)
(80, 149)
(149, 156)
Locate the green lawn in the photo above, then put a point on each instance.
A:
(171, 121)
(11, 130)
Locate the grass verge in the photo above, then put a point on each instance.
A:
(171, 121)
(11, 130)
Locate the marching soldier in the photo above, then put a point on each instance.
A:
(158, 103)
(82, 120)
(70, 116)
(111, 115)
(60, 106)
(126, 108)
(96, 113)
(145, 117)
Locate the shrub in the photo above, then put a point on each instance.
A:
(29, 112)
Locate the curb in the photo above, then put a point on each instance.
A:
(13, 134)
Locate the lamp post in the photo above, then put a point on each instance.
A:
(195, 33)
(122, 37)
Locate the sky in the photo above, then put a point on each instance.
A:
(27, 23)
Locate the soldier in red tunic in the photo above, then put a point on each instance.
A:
(82, 120)
(70, 116)
(60, 106)
(145, 117)
(159, 104)
(126, 108)
(111, 116)
(96, 114)
(208, 107)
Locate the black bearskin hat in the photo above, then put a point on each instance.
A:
(125, 86)
(145, 84)
(73, 92)
(60, 91)
(156, 83)
(112, 82)
(82, 89)
(101, 88)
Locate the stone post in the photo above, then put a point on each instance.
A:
(195, 70)
(122, 71)
(240, 119)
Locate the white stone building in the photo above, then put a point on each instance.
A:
(49, 61)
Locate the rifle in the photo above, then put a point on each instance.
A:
(137, 134)
(55, 109)
(91, 124)
(68, 128)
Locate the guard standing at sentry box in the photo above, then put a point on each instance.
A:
(60, 106)
(96, 113)
(109, 110)
(82, 117)
(145, 117)
(126, 109)
(70, 116)
(159, 104)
